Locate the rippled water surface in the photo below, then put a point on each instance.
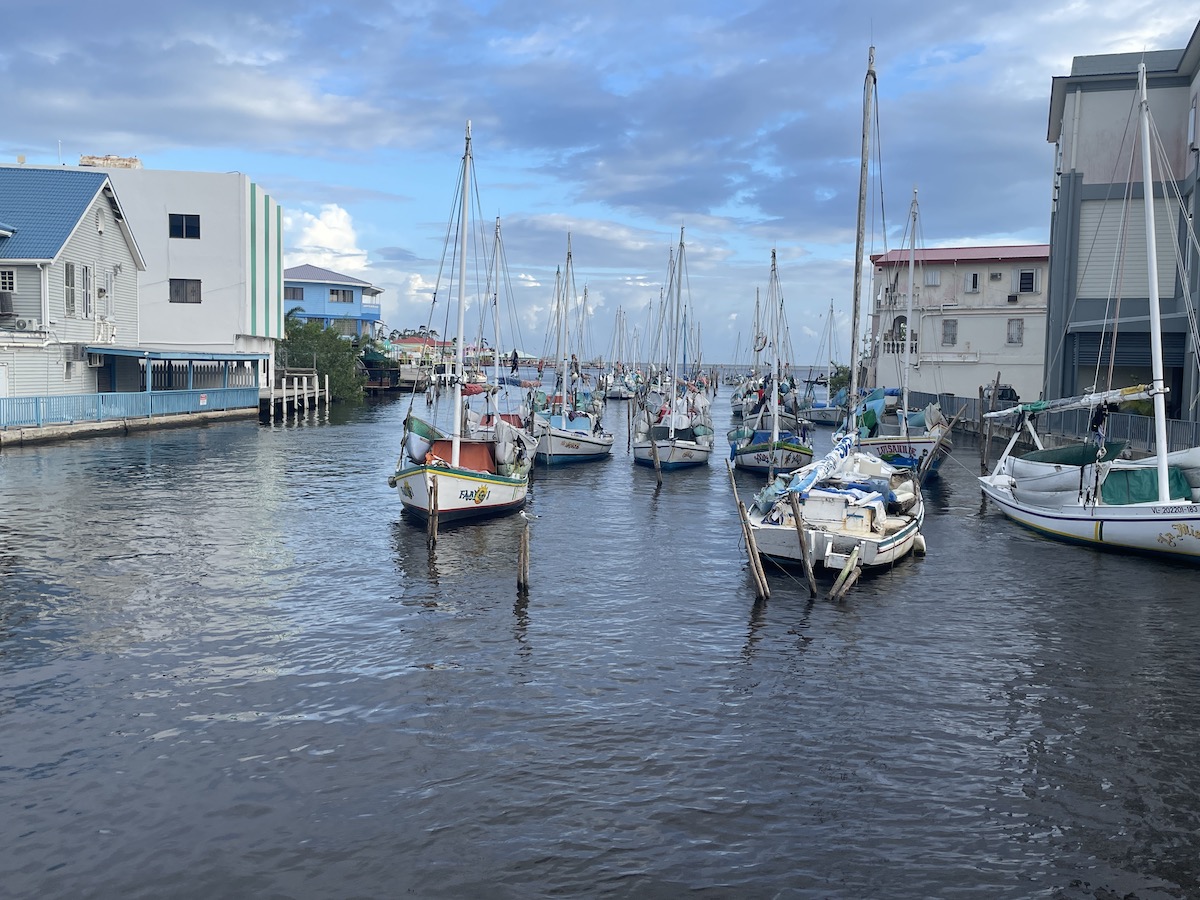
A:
(229, 667)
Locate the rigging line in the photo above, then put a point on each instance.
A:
(1056, 356)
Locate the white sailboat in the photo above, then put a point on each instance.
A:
(673, 426)
(568, 426)
(852, 507)
(620, 382)
(828, 411)
(773, 448)
(1095, 497)
(459, 476)
(905, 438)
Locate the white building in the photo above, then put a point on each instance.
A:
(213, 244)
(976, 311)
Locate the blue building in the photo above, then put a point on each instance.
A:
(347, 305)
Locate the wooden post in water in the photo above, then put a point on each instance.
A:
(327, 396)
(849, 583)
(523, 561)
(761, 590)
(629, 427)
(654, 456)
(271, 399)
(840, 586)
(431, 535)
(808, 569)
(985, 435)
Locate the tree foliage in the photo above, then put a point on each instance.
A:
(309, 345)
(839, 378)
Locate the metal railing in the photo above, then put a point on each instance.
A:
(65, 409)
(1071, 423)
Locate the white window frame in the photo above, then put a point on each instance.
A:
(972, 283)
(8, 279)
(1037, 281)
(88, 307)
(933, 277)
(1016, 333)
(69, 289)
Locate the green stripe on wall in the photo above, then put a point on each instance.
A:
(266, 235)
(253, 258)
(279, 268)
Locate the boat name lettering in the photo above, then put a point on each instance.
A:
(478, 495)
(1180, 530)
(571, 445)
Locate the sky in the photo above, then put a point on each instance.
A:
(618, 123)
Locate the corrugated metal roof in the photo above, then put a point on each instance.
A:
(43, 206)
(324, 276)
(965, 254)
(1126, 63)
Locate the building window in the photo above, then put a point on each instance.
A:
(293, 293)
(85, 289)
(996, 276)
(185, 226)
(337, 295)
(69, 288)
(933, 277)
(185, 290)
(8, 280)
(949, 332)
(972, 282)
(1027, 281)
(1016, 332)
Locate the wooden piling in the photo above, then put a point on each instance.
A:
(839, 587)
(985, 439)
(761, 589)
(271, 399)
(849, 583)
(654, 456)
(326, 395)
(523, 561)
(804, 555)
(431, 536)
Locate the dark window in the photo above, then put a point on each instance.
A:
(1028, 281)
(949, 332)
(185, 226)
(340, 296)
(185, 290)
(293, 293)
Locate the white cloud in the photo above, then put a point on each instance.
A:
(327, 240)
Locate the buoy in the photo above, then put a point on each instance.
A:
(919, 544)
(391, 481)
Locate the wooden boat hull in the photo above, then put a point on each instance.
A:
(557, 446)
(908, 452)
(672, 454)
(783, 457)
(1171, 529)
(461, 493)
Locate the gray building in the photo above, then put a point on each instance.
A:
(1094, 283)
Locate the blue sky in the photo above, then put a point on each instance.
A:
(617, 122)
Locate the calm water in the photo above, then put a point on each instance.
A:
(230, 667)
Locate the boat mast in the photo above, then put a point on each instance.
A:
(456, 435)
(908, 317)
(775, 373)
(496, 316)
(829, 356)
(675, 317)
(1156, 360)
(860, 239)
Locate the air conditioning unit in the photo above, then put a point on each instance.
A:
(27, 325)
(95, 360)
(996, 276)
(1013, 298)
(76, 353)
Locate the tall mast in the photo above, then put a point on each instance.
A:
(860, 236)
(456, 435)
(908, 318)
(1156, 355)
(496, 315)
(776, 311)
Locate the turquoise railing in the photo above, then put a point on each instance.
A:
(63, 409)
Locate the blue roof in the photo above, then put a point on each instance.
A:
(42, 207)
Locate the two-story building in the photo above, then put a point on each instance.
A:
(976, 311)
(69, 268)
(1098, 278)
(348, 305)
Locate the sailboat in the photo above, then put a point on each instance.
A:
(1088, 494)
(673, 427)
(620, 382)
(830, 411)
(773, 448)
(851, 508)
(457, 475)
(567, 423)
(919, 439)
(749, 384)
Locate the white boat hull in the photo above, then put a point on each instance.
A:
(1171, 529)
(461, 493)
(557, 445)
(908, 452)
(832, 549)
(762, 458)
(672, 454)
(825, 415)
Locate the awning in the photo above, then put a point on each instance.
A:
(180, 355)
